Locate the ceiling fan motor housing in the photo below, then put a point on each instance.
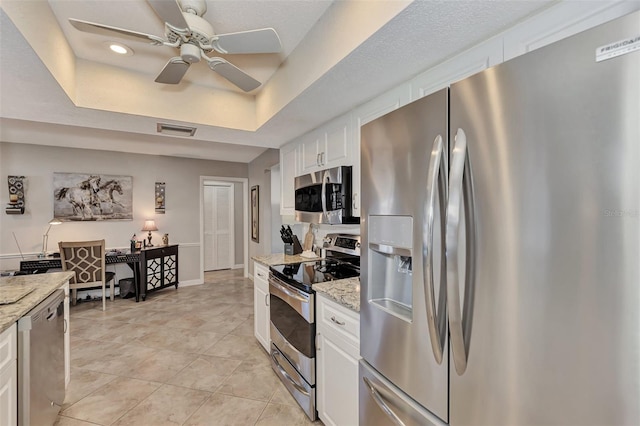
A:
(201, 32)
(190, 53)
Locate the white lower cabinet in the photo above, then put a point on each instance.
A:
(9, 377)
(261, 304)
(337, 356)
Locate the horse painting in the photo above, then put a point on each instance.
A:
(105, 195)
(82, 196)
(92, 197)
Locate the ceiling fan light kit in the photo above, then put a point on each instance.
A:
(185, 28)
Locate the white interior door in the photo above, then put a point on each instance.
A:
(218, 227)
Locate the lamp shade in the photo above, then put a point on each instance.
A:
(149, 225)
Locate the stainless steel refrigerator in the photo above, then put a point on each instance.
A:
(500, 278)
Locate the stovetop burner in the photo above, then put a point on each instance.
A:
(342, 261)
(305, 274)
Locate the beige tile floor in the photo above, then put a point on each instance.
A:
(182, 357)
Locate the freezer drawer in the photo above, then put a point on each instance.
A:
(382, 403)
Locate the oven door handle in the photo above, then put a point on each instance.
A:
(289, 293)
(287, 376)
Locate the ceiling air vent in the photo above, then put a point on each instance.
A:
(175, 130)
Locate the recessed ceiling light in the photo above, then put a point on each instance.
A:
(119, 48)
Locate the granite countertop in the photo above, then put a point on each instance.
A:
(37, 288)
(346, 292)
(283, 259)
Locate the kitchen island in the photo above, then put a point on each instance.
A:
(39, 287)
(19, 295)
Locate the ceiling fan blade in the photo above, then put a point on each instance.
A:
(173, 71)
(170, 12)
(233, 74)
(264, 40)
(106, 30)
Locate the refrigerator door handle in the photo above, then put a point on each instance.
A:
(377, 398)
(436, 181)
(459, 187)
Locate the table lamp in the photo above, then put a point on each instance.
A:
(45, 237)
(149, 225)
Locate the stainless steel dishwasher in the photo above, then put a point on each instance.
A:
(41, 362)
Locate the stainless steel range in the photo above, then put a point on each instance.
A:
(292, 310)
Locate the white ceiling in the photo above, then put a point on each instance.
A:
(59, 86)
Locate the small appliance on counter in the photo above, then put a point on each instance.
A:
(292, 312)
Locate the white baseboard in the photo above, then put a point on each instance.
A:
(189, 283)
(238, 266)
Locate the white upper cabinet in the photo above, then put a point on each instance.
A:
(288, 171)
(326, 147)
(338, 141)
(311, 147)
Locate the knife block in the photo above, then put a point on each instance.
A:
(294, 248)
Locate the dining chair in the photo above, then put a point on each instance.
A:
(86, 259)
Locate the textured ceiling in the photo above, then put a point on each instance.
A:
(336, 56)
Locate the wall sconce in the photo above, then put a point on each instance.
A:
(160, 197)
(149, 225)
(16, 195)
(45, 237)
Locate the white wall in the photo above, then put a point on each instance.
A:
(260, 174)
(181, 221)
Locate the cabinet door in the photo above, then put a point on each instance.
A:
(288, 171)
(261, 316)
(337, 383)
(337, 144)
(312, 146)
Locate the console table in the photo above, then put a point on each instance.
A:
(153, 267)
(161, 268)
(39, 266)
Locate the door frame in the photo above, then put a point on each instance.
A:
(245, 218)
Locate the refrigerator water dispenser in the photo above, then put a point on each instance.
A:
(390, 267)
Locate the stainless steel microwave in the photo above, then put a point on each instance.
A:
(325, 197)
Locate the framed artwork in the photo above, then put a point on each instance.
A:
(160, 197)
(255, 213)
(91, 197)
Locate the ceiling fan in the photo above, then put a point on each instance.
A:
(186, 29)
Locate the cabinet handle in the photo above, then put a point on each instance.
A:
(260, 275)
(266, 300)
(318, 160)
(317, 340)
(355, 197)
(336, 321)
(322, 159)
